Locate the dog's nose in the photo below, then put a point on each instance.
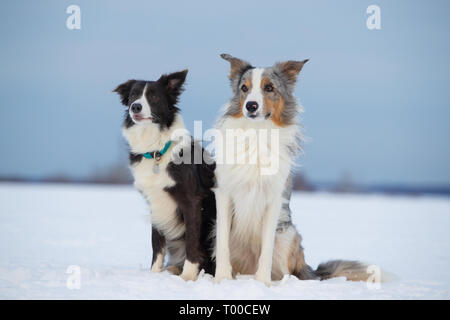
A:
(136, 107)
(251, 106)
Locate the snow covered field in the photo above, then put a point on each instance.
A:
(44, 229)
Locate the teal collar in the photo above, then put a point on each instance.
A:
(158, 153)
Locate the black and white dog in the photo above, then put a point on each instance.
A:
(182, 204)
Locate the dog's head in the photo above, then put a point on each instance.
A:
(152, 102)
(264, 93)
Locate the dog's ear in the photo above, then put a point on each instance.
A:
(238, 66)
(174, 82)
(124, 91)
(290, 69)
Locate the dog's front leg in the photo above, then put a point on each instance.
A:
(223, 225)
(194, 256)
(269, 226)
(159, 250)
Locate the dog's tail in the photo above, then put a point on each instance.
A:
(352, 270)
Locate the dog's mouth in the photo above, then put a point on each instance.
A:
(138, 117)
(257, 116)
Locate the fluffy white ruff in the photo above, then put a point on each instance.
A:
(249, 200)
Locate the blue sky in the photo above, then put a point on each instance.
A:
(376, 102)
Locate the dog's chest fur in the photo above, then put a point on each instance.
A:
(153, 185)
(251, 191)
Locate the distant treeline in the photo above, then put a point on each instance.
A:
(120, 175)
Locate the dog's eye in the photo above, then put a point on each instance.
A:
(268, 87)
(244, 88)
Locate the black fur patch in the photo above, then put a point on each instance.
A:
(135, 158)
(158, 244)
(162, 96)
(196, 206)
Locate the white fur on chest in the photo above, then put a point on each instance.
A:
(163, 207)
(250, 190)
(142, 139)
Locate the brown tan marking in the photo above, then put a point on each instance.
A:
(296, 260)
(174, 270)
(292, 68)
(237, 65)
(273, 103)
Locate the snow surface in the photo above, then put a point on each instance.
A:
(106, 232)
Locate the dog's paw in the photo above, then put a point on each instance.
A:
(156, 268)
(189, 276)
(264, 278)
(223, 274)
(219, 277)
(158, 263)
(190, 271)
